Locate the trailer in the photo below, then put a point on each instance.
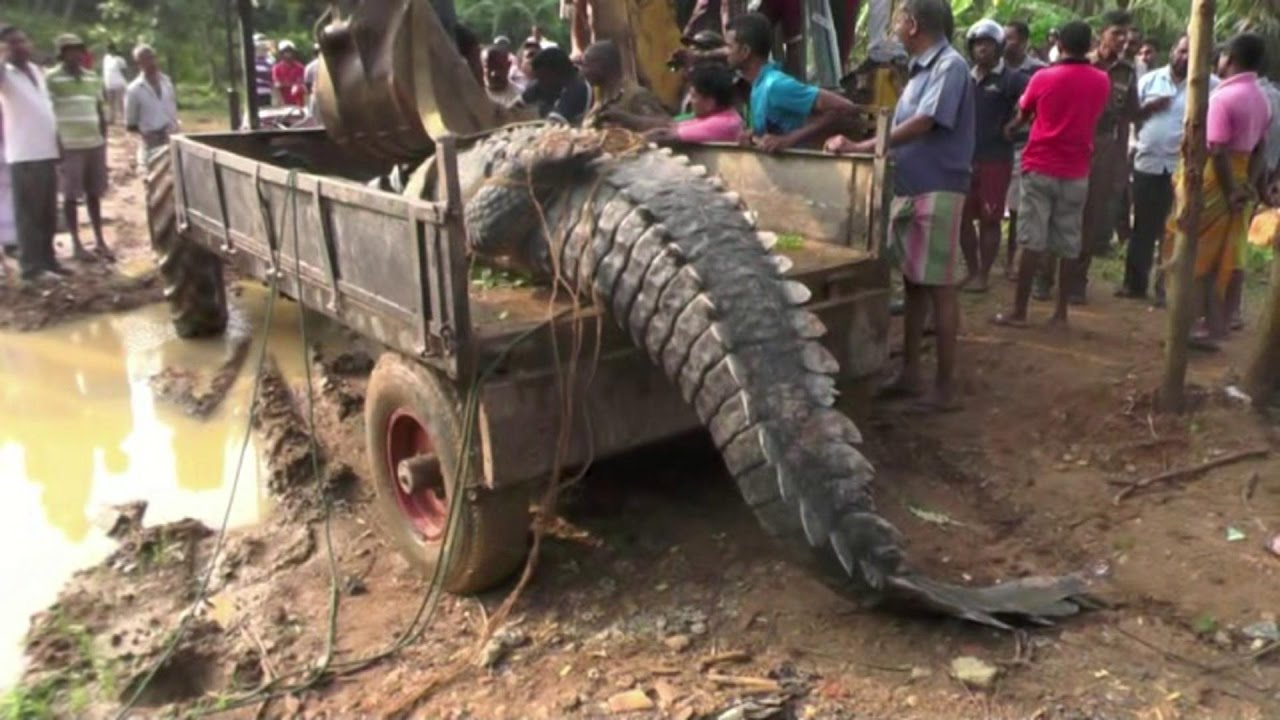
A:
(295, 211)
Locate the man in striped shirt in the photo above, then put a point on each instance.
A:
(82, 130)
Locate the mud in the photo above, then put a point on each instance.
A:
(95, 285)
(180, 386)
(92, 289)
(112, 626)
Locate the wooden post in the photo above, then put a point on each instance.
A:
(1182, 310)
(1262, 378)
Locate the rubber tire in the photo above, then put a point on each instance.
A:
(492, 540)
(193, 284)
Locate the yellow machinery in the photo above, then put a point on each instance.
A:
(657, 36)
(391, 78)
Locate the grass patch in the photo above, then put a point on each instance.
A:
(487, 278)
(34, 702)
(70, 691)
(789, 241)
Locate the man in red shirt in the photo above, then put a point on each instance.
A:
(1066, 101)
(287, 76)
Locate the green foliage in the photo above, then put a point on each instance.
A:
(190, 38)
(487, 278)
(29, 703)
(70, 690)
(513, 18)
(1205, 624)
(1258, 260)
(789, 241)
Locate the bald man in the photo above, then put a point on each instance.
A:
(613, 91)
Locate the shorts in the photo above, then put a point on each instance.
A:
(988, 190)
(1051, 214)
(924, 237)
(84, 172)
(1014, 196)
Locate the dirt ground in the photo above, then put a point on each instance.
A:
(95, 285)
(659, 592)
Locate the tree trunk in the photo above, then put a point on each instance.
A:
(1263, 376)
(1182, 313)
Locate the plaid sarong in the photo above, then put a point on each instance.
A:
(924, 237)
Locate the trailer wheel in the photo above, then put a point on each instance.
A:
(413, 431)
(192, 275)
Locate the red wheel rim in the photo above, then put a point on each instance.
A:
(426, 508)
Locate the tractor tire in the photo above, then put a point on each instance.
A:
(192, 275)
(413, 412)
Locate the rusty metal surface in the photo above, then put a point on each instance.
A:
(391, 80)
(835, 199)
(362, 255)
(390, 268)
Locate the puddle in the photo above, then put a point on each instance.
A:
(81, 430)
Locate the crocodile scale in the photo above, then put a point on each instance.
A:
(680, 266)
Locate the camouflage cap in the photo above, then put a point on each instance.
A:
(67, 40)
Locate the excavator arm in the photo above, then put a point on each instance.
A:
(391, 78)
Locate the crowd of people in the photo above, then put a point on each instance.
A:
(53, 141)
(281, 78)
(1069, 145)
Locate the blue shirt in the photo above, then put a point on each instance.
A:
(1159, 142)
(941, 160)
(779, 103)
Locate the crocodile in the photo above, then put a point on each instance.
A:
(676, 260)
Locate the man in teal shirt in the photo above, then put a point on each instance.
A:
(785, 112)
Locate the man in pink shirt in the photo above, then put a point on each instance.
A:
(1235, 130)
(715, 119)
(1065, 101)
(712, 95)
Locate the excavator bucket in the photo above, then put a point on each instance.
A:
(657, 36)
(391, 79)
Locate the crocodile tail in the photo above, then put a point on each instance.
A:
(679, 264)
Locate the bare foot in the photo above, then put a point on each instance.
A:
(898, 388)
(935, 403)
(1009, 320)
(979, 285)
(1204, 342)
(104, 252)
(1059, 323)
(81, 255)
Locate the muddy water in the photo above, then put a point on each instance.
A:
(81, 430)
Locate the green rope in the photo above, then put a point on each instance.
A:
(326, 666)
(203, 591)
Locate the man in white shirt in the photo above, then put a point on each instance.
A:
(497, 76)
(114, 83)
(151, 104)
(1162, 100)
(31, 149)
(310, 76)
